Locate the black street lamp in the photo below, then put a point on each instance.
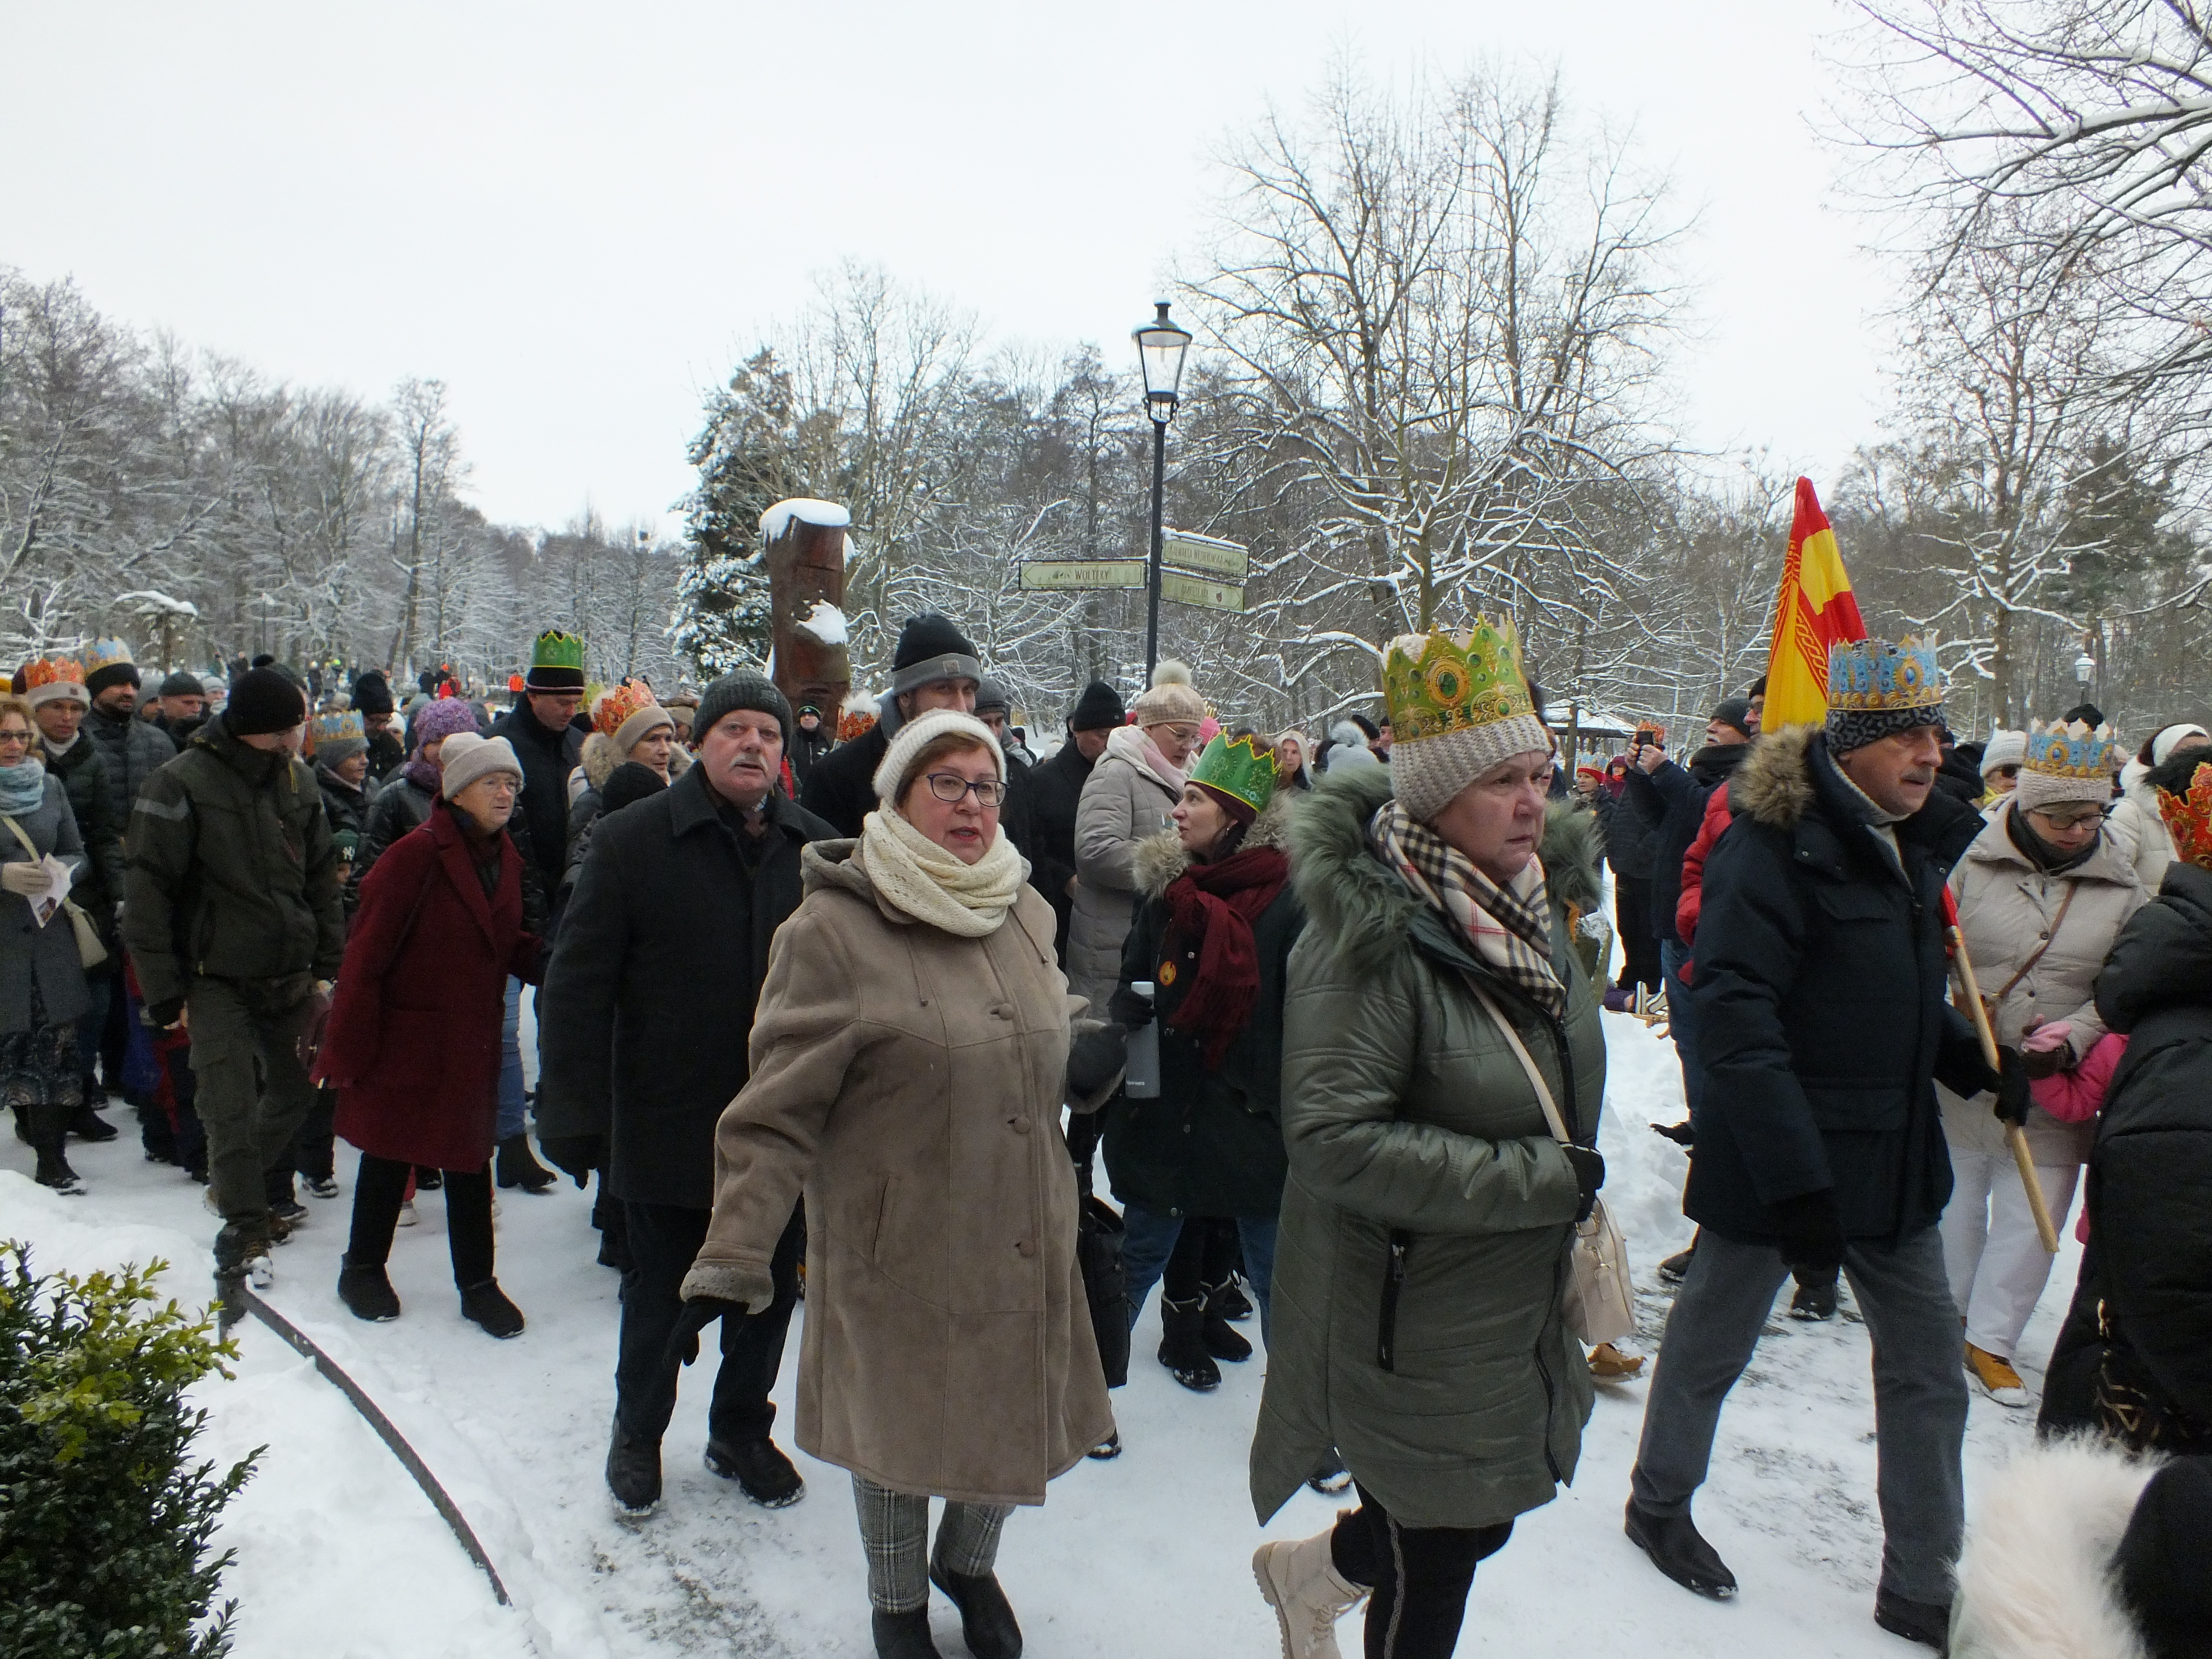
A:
(1160, 347)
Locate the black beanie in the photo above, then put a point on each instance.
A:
(931, 648)
(627, 783)
(1099, 708)
(372, 694)
(2160, 1561)
(263, 700)
(114, 673)
(181, 684)
(740, 690)
(1734, 711)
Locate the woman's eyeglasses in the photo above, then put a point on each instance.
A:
(2073, 820)
(949, 787)
(22, 739)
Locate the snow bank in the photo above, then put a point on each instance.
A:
(825, 622)
(777, 520)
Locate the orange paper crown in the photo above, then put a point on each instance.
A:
(619, 704)
(2188, 818)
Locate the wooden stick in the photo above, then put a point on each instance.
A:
(2015, 1137)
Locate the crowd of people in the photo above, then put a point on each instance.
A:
(862, 1019)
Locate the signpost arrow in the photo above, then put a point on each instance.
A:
(1067, 575)
(1196, 590)
(1209, 555)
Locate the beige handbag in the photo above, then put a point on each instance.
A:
(1601, 1299)
(90, 952)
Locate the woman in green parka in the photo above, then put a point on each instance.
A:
(1422, 1251)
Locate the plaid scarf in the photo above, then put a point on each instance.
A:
(1509, 927)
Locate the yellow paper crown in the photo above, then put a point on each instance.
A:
(1441, 683)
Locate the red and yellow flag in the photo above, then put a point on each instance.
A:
(1814, 610)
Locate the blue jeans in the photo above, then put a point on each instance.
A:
(1148, 1239)
(1679, 1026)
(514, 1103)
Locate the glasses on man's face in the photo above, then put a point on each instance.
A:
(950, 786)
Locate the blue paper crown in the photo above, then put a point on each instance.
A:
(106, 654)
(1873, 676)
(337, 724)
(2071, 750)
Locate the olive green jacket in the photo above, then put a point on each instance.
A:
(232, 872)
(1422, 1254)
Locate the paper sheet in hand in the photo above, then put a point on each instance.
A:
(47, 902)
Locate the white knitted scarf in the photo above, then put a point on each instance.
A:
(917, 878)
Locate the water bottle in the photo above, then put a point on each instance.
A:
(1140, 1079)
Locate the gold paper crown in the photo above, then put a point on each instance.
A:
(1873, 676)
(2065, 750)
(619, 704)
(107, 653)
(53, 671)
(1441, 683)
(2188, 818)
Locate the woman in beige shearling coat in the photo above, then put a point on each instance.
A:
(2010, 889)
(908, 1062)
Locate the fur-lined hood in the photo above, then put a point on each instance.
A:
(2036, 1574)
(1364, 907)
(1161, 857)
(599, 759)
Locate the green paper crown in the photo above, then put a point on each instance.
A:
(1238, 768)
(554, 649)
(1438, 683)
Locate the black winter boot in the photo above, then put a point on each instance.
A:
(88, 1125)
(1814, 1299)
(902, 1635)
(487, 1305)
(1222, 1339)
(760, 1467)
(634, 1473)
(1182, 1344)
(987, 1621)
(48, 1126)
(367, 1291)
(1680, 1551)
(1916, 1622)
(518, 1168)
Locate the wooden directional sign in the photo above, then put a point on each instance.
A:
(1210, 555)
(1196, 590)
(1063, 575)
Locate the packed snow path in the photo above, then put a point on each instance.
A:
(339, 1554)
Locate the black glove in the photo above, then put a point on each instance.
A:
(699, 1312)
(2013, 1096)
(162, 1015)
(1812, 1228)
(1589, 1175)
(577, 1154)
(1096, 1059)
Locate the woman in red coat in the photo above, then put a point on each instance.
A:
(413, 1044)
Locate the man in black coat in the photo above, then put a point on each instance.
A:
(933, 667)
(648, 1002)
(547, 741)
(1056, 789)
(1629, 830)
(1823, 1020)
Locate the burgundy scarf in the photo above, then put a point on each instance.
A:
(1213, 906)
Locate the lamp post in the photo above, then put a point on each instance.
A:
(2085, 665)
(1160, 347)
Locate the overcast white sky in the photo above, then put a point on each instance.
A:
(579, 216)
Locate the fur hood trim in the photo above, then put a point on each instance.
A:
(599, 759)
(2035, 1580)
(1161, 859)
(1361, 906)
(1775, 784)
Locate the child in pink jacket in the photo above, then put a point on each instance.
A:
(2074, 1097)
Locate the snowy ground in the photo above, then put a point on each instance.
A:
(339, 1555)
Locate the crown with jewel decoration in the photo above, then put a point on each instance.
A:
(45, 680)
(1238, 767)
(619, 704)
(1873, 677)
(337, 725)
(1439, 684)
(106, 654)
(2065, 750)
(2188, 818)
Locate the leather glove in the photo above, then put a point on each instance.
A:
(1812, 1228)
(579, 1155)
(2013, 1096)
(22, 879)
(1589, 1175)
(1095, 1058)
(698, 1313)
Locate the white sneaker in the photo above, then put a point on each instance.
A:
(1308, 1593)
(407, 1216)
(260, 1271)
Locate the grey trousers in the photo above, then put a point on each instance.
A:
(1919, 1391)
(895, 1531)
(249, 1110)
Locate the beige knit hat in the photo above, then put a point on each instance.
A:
(1173, 699)
(917, 734)
(465, 758)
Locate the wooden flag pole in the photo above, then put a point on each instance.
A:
(2015, 1137)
